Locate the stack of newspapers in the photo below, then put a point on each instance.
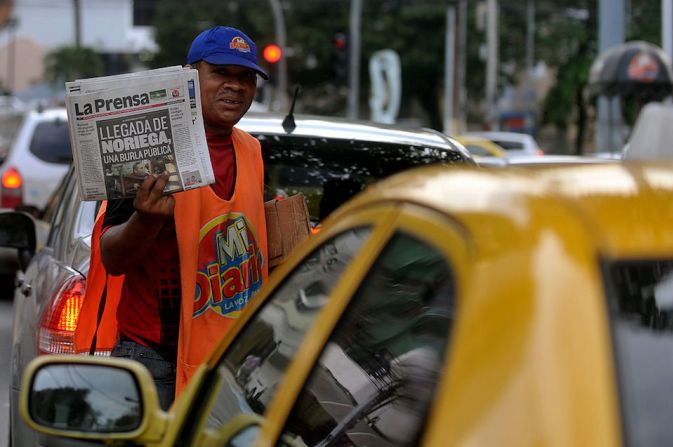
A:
(125, 127)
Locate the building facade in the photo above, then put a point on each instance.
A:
(29, 29)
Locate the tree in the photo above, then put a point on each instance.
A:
(575, 42)
(415, 30)
(69, 63)
(566, 40)
(395, 24)
(572, 46)
(175, 32)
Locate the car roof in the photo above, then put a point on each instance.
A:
(498, 135)
(495, 149)
(535, 161)
(47, 114)
(322, 126)
(340, 128)
(613, 198)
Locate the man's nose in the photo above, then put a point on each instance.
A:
(238, 81)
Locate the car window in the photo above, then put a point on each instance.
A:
(640, 297)
(51, 142)
(509, 145)
(478, 150)
(330, 171)
(55, 198)
(377, 374)
(57, 208)
(255, 363)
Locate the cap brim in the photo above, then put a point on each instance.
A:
(231, 59)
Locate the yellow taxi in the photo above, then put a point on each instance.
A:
(444, 306)
(481, 147)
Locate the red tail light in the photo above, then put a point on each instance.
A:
(12, 189)
(56, 334)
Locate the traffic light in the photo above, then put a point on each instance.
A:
(272, 54)
(341, 60)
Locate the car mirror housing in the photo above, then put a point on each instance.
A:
(17, 230)
(91, 398)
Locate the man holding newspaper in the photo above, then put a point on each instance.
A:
(174, 271)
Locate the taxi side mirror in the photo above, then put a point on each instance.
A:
(91, 398)
(17, 230)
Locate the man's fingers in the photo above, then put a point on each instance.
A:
(146, 187)
(168, 205)
(158, 188)
(150, 198)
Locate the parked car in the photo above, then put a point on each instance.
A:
(38, 159)
(12, 111)
(515, 143)
(485, 152)
(535, 161)
(441, 307)
(481, 147)
(328, 160)
(35, 162)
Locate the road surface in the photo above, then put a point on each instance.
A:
(5, 338)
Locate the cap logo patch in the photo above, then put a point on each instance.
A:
(239, 44)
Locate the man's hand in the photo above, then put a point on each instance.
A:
(125, 245)
(150, 200)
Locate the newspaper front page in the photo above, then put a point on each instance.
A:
(125, 127)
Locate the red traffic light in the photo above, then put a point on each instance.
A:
(272, 53)
(340, 41)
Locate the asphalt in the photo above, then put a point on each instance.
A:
(5, 346)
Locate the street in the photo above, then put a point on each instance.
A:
(5, 338)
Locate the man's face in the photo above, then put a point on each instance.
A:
(227, 92)
(139, 170)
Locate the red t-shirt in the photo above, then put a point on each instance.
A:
(224, 164)
(149, 309)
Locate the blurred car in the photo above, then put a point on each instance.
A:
(11, 105)
(606, 155)
(441, 307)
(651, 136)
(328, 160)
(485, 152)
(536, 161)
(515, 143)
(331, 159)
(38, 158)
(35, 162)
(481, 147)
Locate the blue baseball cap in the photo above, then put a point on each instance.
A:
(223, 45)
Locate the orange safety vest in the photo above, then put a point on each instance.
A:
(223, 262)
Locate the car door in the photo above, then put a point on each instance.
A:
(39, 288)
(367, 367)
(376, 376)
(253, 363)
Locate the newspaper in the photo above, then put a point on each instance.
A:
(125, 127)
